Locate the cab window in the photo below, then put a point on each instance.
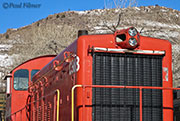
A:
(33, 72)
(21, 79)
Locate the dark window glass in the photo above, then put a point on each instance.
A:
(21, 79)
(33, 72)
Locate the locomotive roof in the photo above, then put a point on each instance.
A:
(33, 59)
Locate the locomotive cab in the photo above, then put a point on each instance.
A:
(17, 86)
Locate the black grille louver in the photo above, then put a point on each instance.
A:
(130, 70)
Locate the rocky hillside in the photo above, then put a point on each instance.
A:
(56, 32)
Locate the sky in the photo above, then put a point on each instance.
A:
(19, 13)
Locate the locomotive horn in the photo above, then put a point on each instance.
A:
(82, 32)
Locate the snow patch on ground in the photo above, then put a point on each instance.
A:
(176, 48)
(164, 10)
(92, 12)
(158, 24)
(5, 47)
(7, 60)
(167, 34)
(117, 10)
(137, 8)
(81, 12)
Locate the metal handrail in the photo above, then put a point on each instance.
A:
(58, 98)
(113, 86)
(72, 100)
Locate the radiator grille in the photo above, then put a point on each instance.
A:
(129, 70)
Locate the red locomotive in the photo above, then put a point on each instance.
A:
(110, 77)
